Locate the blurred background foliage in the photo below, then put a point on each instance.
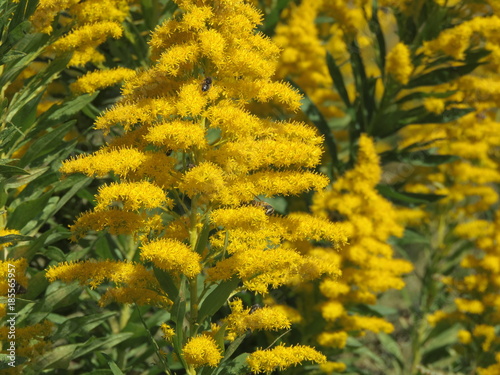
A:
(420, 78)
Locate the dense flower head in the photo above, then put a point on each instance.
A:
(202, 350)
(367, 262)
(134, 283)
(282, 357)
(399, 63)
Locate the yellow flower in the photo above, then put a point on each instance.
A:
(172, 255)
(399, 63)
(202, 351)
(100, 79)
(282, 357)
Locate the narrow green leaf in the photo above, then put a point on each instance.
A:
(46, 143)
(201, 245)
(233, 346)
(375, 28)
(57, 358)
(392, 347)
(235, 366)
(106, 342)
(166, 283)
(10, 170)
(449, 115)
(337, 78)
(112, 365)
(422, 95)
(442, 75)
(218, 297)
(420, 158)
(14, 238)
(27, 211)
(404, 197)
(62, 112)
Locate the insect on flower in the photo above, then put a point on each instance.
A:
(254, 308)
(206, 84)
(266, 206)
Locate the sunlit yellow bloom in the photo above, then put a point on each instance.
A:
(100, 79)
(202, 351)
(85, 39)
(281, 357)
(171, 255)
(132, 195)
(265, 318)
(134, 283)
(487, 333)
(168, 332)
(333, 339)
(464, 336)
(330, 367)
(399, 63)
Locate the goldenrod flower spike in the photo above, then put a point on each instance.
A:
(282, 357)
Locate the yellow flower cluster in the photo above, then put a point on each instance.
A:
(192, 164)
(367, 263)
(282, 357)
(133, 282)
(202, 350)
(92, 23)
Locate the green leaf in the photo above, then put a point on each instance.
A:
(448, 115)
(411, 237)
(392, 347)
(112, 365)
(235, 366)
(404, 197)
(419, 158)
(107, 342)
(442, 75)
(75, 326)
(14, 238)
(62, 112)
(201, 245)
(375, 28)
(218, 297)
(10, 170)
(46, 143)
(57, 358)
(27, 211)
(166, 283)
(422, 95)
(337, 78)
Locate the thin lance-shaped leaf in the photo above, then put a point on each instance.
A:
(420, 158)
(166, 282)
(364, 86)
(421, 95)
(443, 75)
(14, 238)
(337, 78)
(409, 198)
(218, 297)
(314, 115)
(46, 143)
(377, 30)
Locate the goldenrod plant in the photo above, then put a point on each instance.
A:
(249, 186)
